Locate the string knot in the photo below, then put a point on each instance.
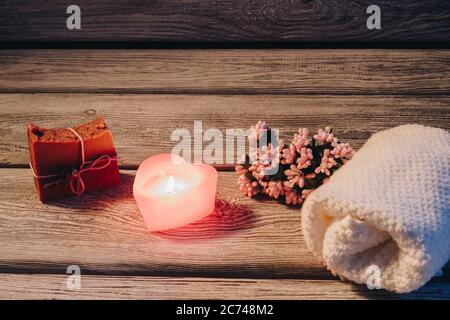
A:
(76, 182)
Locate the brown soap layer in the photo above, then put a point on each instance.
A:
(86, 131)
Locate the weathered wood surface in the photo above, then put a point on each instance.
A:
(230, 21)
(142, 124)
(140, 287)
(378, 72)
(144, 96)
(104, 233)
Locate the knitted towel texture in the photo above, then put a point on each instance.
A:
(388, 207)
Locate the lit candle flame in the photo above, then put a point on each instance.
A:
(170, 185)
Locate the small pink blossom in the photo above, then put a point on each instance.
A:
(275, 189)
(249, 188)
(269, 155)
(326, 164)
(295, 176)
(288, 154)
(267, 163)
(324, 136)
(258, 131)
(301, 139)
(257, 170)
(342, 150)
(304, 161)
(293, 198)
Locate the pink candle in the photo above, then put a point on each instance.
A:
(171, 193)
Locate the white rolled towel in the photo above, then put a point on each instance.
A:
(387, 208)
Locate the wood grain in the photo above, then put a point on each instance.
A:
(104, 233)
(138, 287)
(257, 242)
(230, 21)
(142, 124)
(326, 72)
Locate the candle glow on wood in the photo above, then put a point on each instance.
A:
(171, 193)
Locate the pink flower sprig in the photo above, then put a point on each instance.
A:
(289, 172)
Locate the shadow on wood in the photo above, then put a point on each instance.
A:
(434, 290)
(97, 200)
(228, 217)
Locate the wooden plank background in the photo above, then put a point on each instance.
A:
(249, 248)
(104, 232)
(230, 20)
(136, 287)
(339, 72)
(142, 124)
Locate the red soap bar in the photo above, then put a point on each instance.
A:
(58, 152)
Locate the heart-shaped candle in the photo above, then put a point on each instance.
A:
(171, 193)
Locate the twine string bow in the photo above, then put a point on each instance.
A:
(74, 179)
